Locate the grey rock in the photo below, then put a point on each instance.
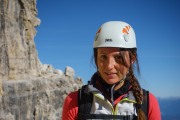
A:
(29, 90)
(69, 71)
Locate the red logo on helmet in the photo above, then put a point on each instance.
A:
(97, 34)
(125, 32)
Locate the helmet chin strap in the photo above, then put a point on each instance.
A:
(122, 80)
(118, 83)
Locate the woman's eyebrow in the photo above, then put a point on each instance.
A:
(102, 52)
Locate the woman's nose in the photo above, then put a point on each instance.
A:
(110, 63)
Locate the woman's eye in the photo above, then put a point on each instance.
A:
(102, 57)
(118, 58)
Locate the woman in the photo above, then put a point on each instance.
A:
(113, 92)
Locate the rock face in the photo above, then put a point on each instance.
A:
(18, 55)
(39, 99)
(29, 90)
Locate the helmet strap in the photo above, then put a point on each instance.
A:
(118, 84)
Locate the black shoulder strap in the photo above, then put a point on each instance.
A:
(84, 103)
(145, 104)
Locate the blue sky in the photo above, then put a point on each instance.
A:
(65, 37)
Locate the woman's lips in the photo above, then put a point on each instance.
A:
(110, 75)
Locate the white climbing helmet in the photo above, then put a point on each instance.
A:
(115, 34)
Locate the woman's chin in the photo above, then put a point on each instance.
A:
(111, 81)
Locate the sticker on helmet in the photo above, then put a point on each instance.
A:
(97, 34)
(125, 32)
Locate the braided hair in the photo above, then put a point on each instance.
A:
(136, 88)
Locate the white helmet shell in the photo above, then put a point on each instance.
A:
(115, 34)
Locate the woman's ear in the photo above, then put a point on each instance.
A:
(132, 62)
(133, 59)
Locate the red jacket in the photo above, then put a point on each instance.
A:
(70, 107)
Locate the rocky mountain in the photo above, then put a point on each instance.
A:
(18, 55)
(29, 90)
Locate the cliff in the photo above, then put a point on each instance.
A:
(18, 55)
(28, 88)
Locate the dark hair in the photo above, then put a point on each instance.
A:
(136, 88)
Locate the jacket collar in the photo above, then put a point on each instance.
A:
(99, 85)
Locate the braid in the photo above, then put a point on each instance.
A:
(136, 88)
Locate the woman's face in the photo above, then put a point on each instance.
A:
(110, 64)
